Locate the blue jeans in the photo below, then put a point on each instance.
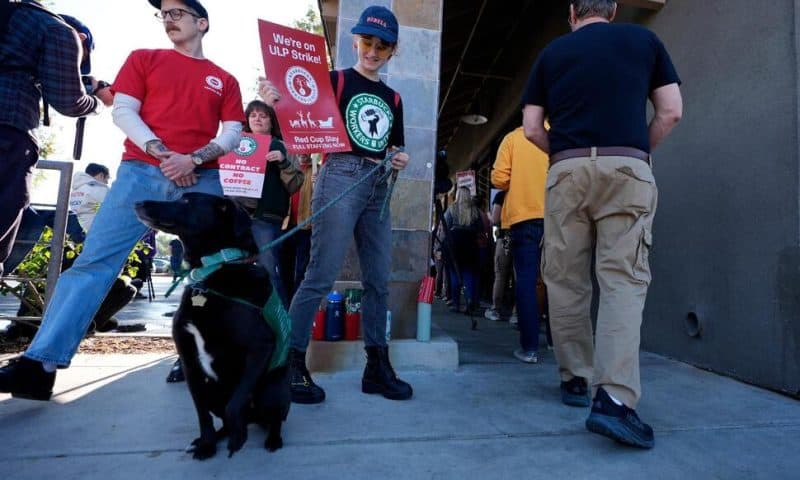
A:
(115, 231)
(357, 214)
(468, 281)
(526, 237)
(264, 232)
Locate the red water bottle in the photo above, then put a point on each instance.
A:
(352, 317)
(318, 329)
(352, 320)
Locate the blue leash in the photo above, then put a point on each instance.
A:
(386, 161)
(392, 180)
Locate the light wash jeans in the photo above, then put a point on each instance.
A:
(264, 232)
(357, 214)
(115, 231)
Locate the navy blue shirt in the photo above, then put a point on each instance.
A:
(594, 84)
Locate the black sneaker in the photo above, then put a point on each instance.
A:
(25, 378)
(302, 386)
(176, 373)
(618, 422)
(575, 392)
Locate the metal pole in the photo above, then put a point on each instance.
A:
(59, 222)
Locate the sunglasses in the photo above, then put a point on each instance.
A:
(382, 48)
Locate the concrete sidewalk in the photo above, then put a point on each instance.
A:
(113, 416)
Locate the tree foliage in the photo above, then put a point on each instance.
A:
(310, 22)
(34, 266)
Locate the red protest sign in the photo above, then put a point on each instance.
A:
(308, 112)
(241, 171)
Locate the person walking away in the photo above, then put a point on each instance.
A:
(520, 169)
(463, 221)
(169, 103)
(601, 196)
(502, 301)
(484, 273)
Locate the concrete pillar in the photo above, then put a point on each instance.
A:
(414, 72)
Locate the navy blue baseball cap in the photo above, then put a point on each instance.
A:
(88, 44)
(193, 4)
(378, 22)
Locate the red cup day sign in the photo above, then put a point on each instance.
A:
(308, 112)
(241, 171)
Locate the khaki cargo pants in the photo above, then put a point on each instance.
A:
(606, 204)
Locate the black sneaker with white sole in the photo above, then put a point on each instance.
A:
(618, 422)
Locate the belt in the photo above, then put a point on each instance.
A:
(600, 152)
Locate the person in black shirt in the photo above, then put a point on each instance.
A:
(373, 117)
(593, 85)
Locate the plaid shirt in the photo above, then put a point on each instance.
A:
(40, 53)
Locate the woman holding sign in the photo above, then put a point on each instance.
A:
(281, 179)
(377, 129)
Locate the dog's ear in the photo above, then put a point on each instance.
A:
(242, 229)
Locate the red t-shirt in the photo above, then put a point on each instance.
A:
(184, 99)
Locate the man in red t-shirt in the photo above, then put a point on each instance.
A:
(170, 104)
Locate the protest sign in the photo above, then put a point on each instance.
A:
(467, 179)
(241, 172)
(295, 63)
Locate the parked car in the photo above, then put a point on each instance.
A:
(160, 265)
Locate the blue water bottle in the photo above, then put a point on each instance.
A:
(334, 317)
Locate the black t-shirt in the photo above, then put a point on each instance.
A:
(372, 113)
(594, 83)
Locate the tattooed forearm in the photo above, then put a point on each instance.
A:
(210, 152)
(154, 147)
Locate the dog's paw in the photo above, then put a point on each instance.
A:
(202, 449)
(273, 442)
(236, 440)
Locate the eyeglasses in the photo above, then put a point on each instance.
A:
(382, 48)
(175, 14)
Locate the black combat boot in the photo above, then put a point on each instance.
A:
(379, 376)
(303, 388)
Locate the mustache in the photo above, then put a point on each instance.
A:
(171, 28)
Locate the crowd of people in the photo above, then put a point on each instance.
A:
(575, 181)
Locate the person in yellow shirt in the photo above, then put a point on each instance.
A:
(520, 169)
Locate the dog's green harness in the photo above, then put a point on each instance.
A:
(272, 311)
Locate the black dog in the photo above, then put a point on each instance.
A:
(224, 342)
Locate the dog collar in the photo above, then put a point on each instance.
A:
(212, 263)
